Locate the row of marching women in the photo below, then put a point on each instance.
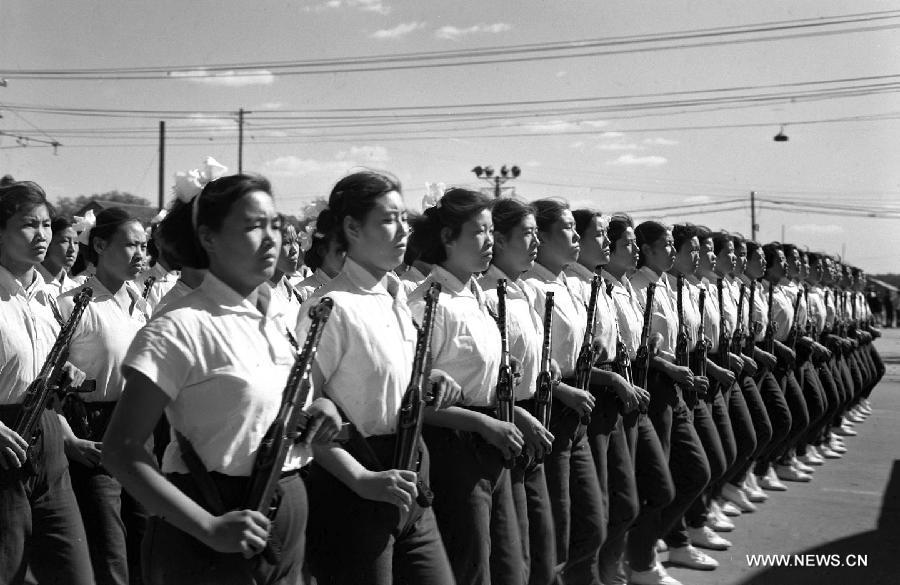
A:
(492, 391)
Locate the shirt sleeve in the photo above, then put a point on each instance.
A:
(165, 353)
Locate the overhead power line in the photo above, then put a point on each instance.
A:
(693, 38)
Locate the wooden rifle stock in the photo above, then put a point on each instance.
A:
(411, 414)
(769, 339)
(698, 354)
(543, 397)
(737, 341)
(794, 332)
(587, 357)
(39, 392)
(148, 286)
(622, 362)
(288, 425)
(641, 365)
(750, 342)
(504, 386)
(681, 345)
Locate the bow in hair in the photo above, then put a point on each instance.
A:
(188, 184)
(83, 226)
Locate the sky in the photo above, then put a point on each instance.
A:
(661, 108)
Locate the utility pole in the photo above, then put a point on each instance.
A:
(487, 173)
(782, 233)
(754, 227)
(241, 140)
(162, 162)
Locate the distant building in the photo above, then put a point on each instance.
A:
(143, 213)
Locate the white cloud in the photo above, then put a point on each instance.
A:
(364, 154)
(620, 146)
(816, 228)
(364, 5)
(551, 126)
(207, 121)
(659, 141)
(270, 106)
(562, 73)
(698, 199)
(595, 123)
(532, 163)
(612, 135)
(630, 160)
(226, 78)
(452, 33)
(290, 166)
(577, 144)
(398, 31)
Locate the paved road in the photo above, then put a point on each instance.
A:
(852, 507)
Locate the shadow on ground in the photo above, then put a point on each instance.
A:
(880, 546)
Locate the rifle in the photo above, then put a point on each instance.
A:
(622, 363)
(543, 397)
(289, 424)
(641, 365)
(769, 339)
(794, 333)
(409, 419)
(148, 285)
(724, 340)
(39, 392)
(737, 340)
(698, 354)
(504, 386)
(753, 325)
(587, 356)
(681, 345)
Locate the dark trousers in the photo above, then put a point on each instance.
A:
(532, 501)
(762, 424)
(615, 472)
(832, 402)
(695, 516)
(721, 416)
(40, 525)
(173, 557)
(473, 504)
(793, 395)
(742, 428)
(687, 465)
(780, 416)
(814, 396)
(878, 363)
(575, 497)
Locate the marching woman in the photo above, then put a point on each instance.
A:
(668, 413)
(41, 524)
(605, 433)
(167, 234)
(651, 468)
(216, 361)
(370, 522)
(288, 259)
(114, 522)
(572, 477)
(515, 249)
(468, 443)
(61, 255)
(325, 256)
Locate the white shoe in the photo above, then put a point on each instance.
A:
(718, 521)
(733, 494)
(829, 453)
(729, 509)
(788, 473)
(800, 466)
(706, 538)
(661, 546)
(837, 447)
(754, 493)
(655, 576)
(845, 431)
(810, 459)
(771, 482)
(855, 417)
(692, 558)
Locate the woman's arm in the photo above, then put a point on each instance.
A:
(125, 455)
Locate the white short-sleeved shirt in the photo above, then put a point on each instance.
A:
(605, 327)
(165, 281)
(28, 330)
(411, 279)
(630, 319)
(524, 331)
(569, 315)
(782, 312)
(367, 347)
(59, 283)
(224, 366)
(817, 310)
(179, 290)
(465, 342)
(302, 273)
(690, 301)
(102, 337)
(308, 286)
(830, 306)
(292, 300)
(664, 318)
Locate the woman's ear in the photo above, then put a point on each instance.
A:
(99, 245)
(207, 239)
(499, 241)
(351, 229)
(446, 236)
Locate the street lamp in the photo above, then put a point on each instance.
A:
(506, 173)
